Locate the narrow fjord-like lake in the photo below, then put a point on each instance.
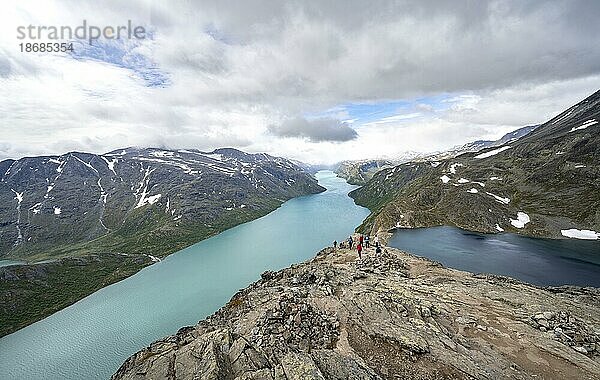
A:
(90, 339)
(543, 262)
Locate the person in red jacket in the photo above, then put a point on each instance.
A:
(359, 250)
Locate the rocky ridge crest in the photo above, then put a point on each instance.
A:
(386, 316)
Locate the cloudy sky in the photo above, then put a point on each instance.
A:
(317, 81)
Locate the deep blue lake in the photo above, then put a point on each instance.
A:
(537, 261)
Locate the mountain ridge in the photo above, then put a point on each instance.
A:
(82, 221)
(114, 187)
(359, 172)
(544, 184)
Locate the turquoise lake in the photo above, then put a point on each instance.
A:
(90, 339)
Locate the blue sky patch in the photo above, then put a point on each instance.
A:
(380, 112)
(122, 53)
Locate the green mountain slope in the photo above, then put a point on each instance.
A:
(545, 184)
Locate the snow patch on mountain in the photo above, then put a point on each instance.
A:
(499, 198)
(574, 233)
(214, 156)
(492, 152)
(521, 221)
(19, 199)
(36, 208)
(453, 167)
(588, 123)
(87, 164)
(143, 187)
(154, 258)
(162, 153)
(110, 164)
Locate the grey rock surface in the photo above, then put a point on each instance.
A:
(387, 316)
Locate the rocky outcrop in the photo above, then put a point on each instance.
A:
(387, 316)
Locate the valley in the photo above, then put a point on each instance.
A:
(83, 221)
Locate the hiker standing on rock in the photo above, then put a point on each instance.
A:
(361, 239)
(367, 245)
(334, 245)
(359, 250)
(350, 242)
(376, 240)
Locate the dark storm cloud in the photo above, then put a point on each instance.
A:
(396, 49)
(316, 130)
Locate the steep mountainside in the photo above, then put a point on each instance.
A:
(103, 217)
(361, 171)
(137, 195)
(546, 183)
(387, 316)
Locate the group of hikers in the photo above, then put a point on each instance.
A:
(361, 243)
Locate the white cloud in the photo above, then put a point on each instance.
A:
(235, 71)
